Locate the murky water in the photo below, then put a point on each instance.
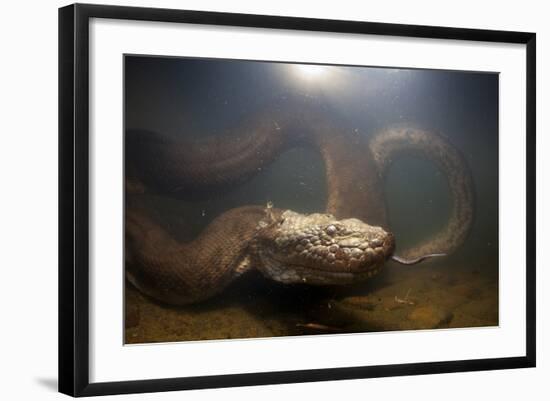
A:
(195, 98)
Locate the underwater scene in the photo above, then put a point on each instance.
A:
(267, 199)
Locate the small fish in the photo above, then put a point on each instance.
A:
(319, 327)
(405, 300)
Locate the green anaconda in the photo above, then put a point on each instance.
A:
(349, 241)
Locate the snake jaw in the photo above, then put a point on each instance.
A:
(318, 249)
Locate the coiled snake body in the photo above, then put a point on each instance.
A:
(349, 242)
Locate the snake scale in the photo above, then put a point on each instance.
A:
(348, 242)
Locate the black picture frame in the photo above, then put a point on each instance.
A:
(74, 198)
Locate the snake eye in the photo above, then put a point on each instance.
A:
(331, 230)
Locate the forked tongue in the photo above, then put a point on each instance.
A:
(409, 262)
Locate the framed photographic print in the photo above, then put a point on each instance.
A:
(250, 199)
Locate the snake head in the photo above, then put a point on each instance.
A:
(319, 249)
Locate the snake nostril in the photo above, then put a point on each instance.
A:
(376, 242)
